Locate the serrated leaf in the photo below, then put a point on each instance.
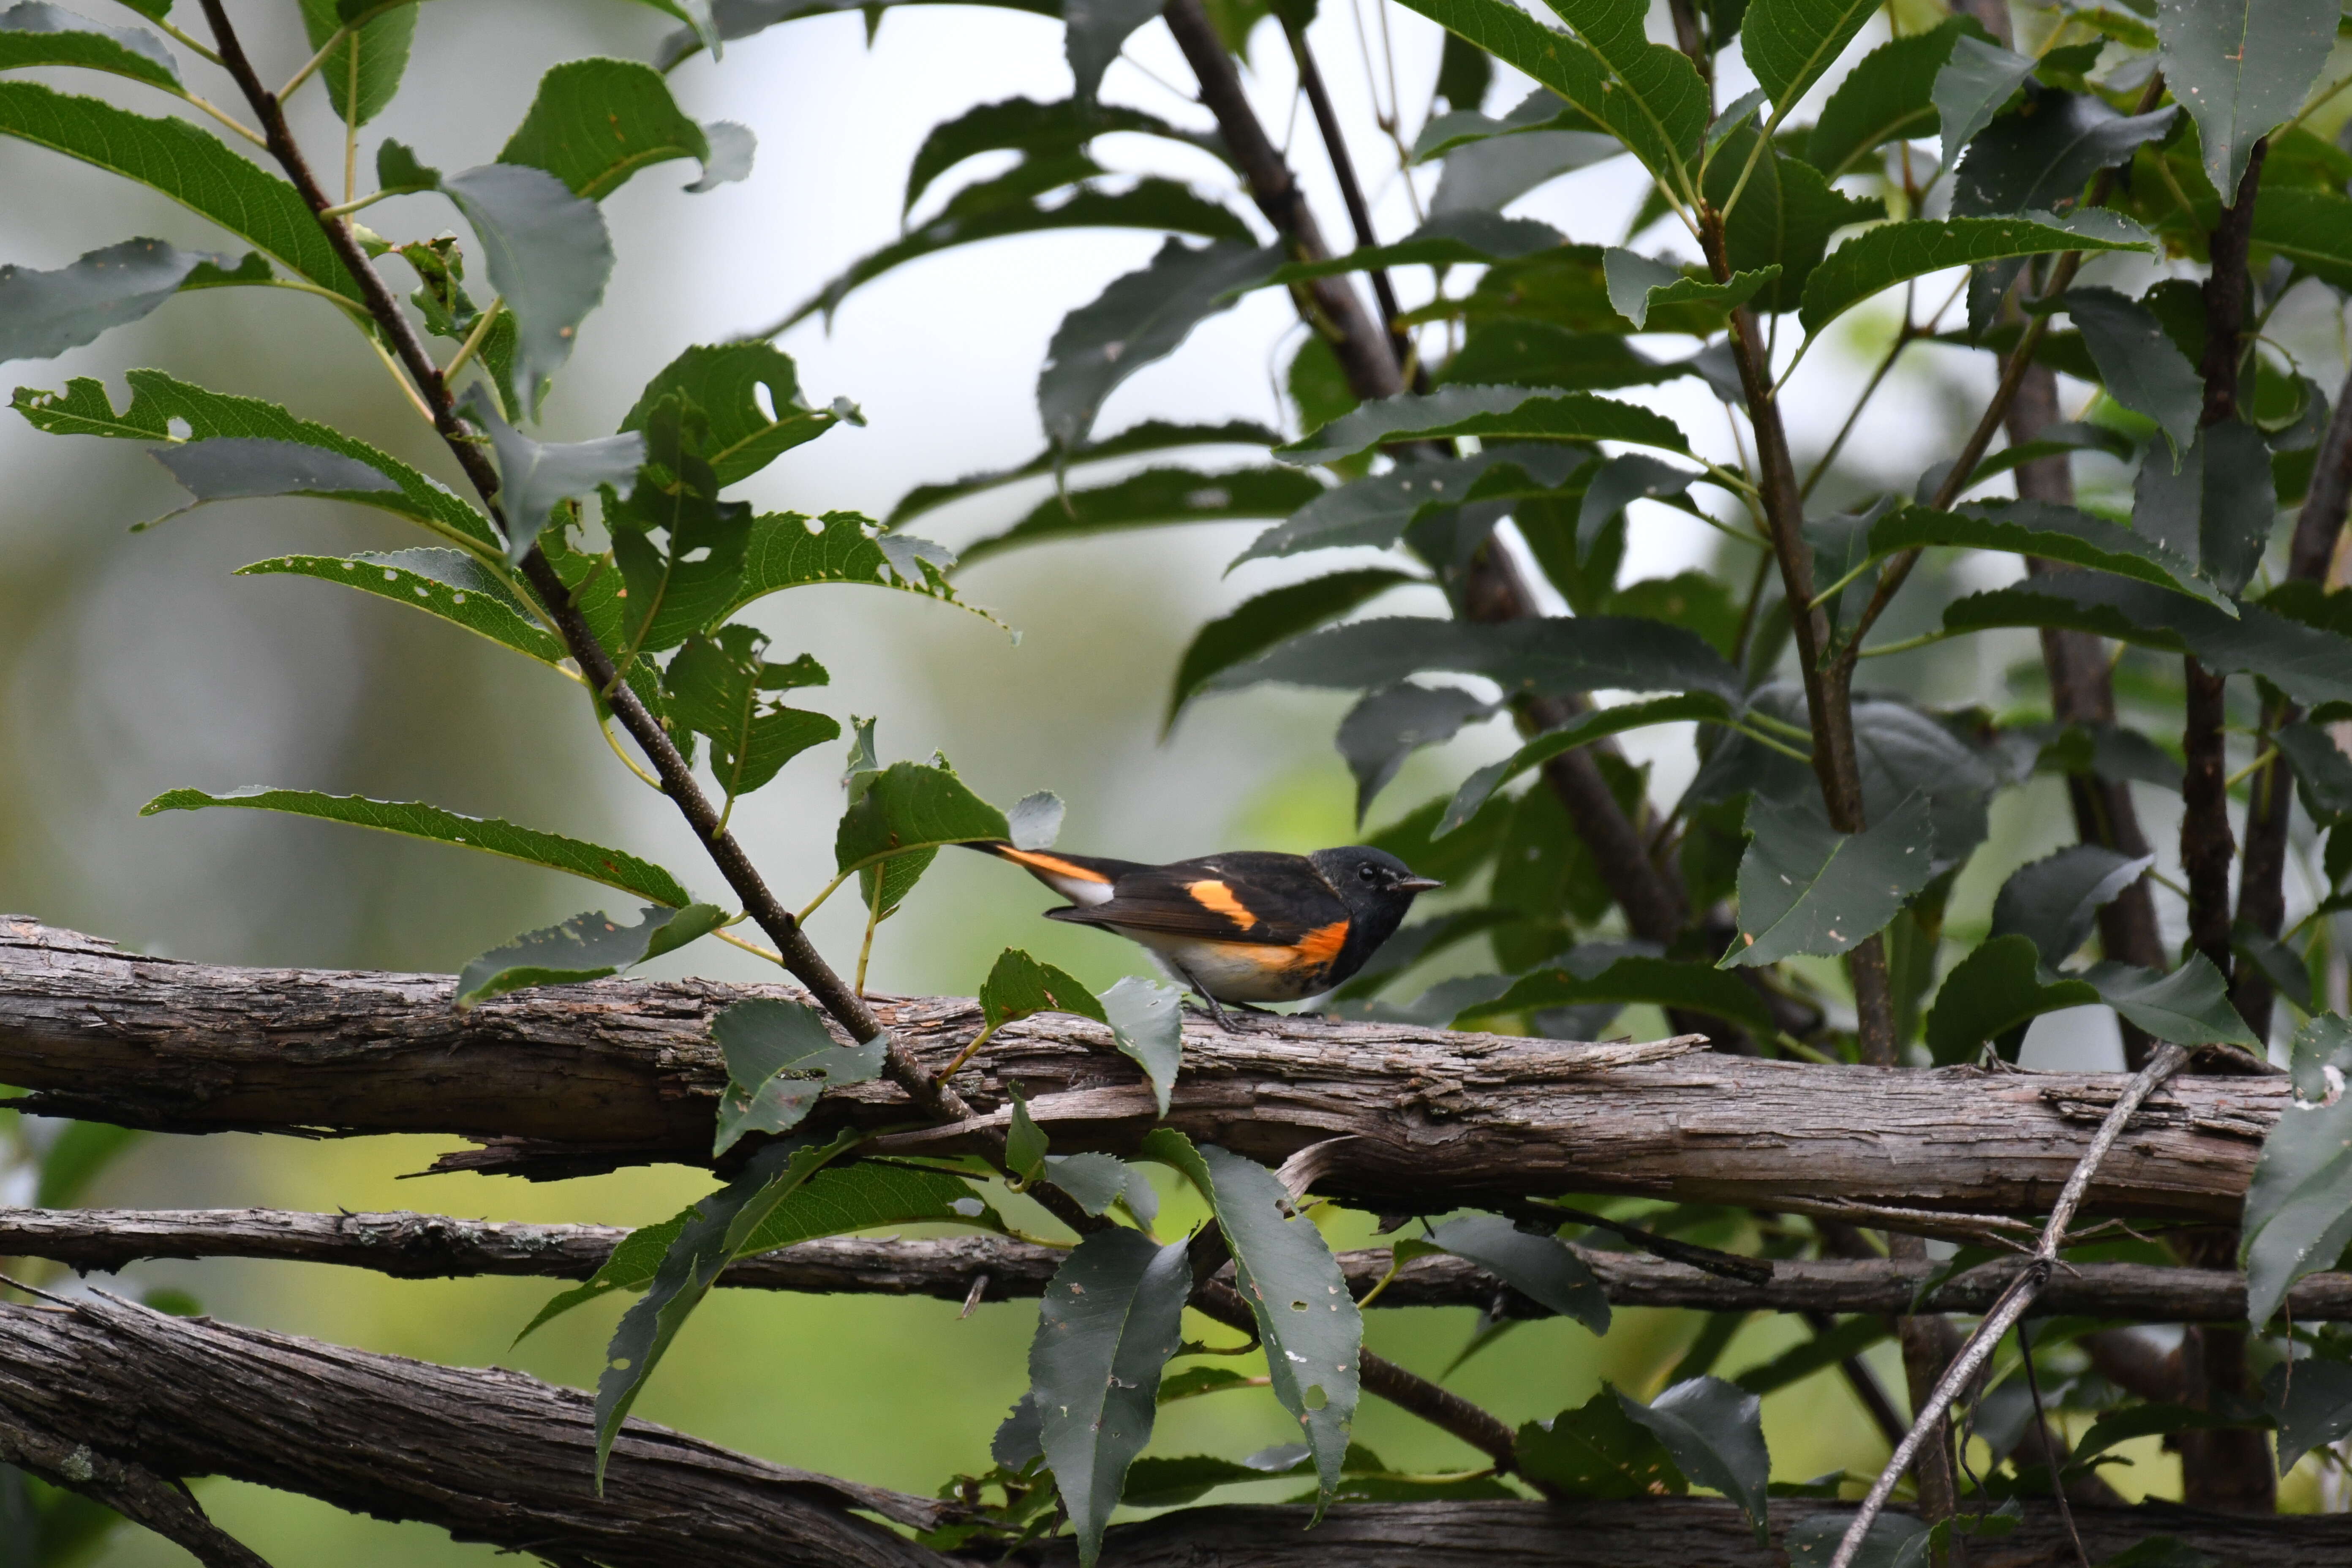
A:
(1636, 282)
(1141, 318)
(1715, 1432)
(2243, 66)
(43, 314)
(1270, 618)
(2051, 532)
(416, 820)
(1025, 1143)
(186, 164)
(1789, 43)
(1283, 1267)
(537, 477)
(1389, 725)
(1038, 132)
(1195, 1381)
(2054, 901)
(1978, 77)
(1150, 436)
(548, 254)
(2298, 1214)
(1473, 238)
(233, 467)
(2312, 1399)
(1489, 413)
(1782, 226)
(1516, 351)
(1376, 511)
(787, 550)
(1896, 252)
(1887, 97)
(33, 33)
(1539, 1267)
(2313, 230)
(594, 122)
(448, 584)
(1805, 888)
(1096, 1181)
(714, 686)
(1018, 986)
(1146, 1023)
(2138, 362)
(780, 1060)
(1154, 497)
(588, 946)
(2322, 770)
(1486, 174)
(2216, 506)
(1991, 994)
(909, 807)
(725, 382)
(1579, 981)
(1582, 731)
(2038, 159)
(1110, 1321)
(362, 73)
(2189, 1006)
(1580, 653)
(712, 1238)
(1597, 1450)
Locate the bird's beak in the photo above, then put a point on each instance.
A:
(1419, 885)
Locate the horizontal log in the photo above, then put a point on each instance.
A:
(431, 1247)
(487, 1455)
(622, 1072)
(1657, 1532)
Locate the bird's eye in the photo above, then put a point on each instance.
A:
(1368, 873)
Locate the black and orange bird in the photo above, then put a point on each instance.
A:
(1245, 928)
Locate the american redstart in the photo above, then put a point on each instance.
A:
(1246, 927)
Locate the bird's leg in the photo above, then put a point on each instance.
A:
(1217, 1010)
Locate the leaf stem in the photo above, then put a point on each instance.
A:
(474, 339)
(971, 1050)
(231, 121)
(605, 728)
(753, 948)
(2260, 763)
(873, 919)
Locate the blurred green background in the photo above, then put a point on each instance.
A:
(132, 664)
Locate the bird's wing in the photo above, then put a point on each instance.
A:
(1273, 899)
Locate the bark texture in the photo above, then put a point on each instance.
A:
(620, 1072)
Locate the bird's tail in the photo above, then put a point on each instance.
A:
(1081, 878)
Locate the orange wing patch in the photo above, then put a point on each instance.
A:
(1219, 898)
(1321, 946)
(1052, 865)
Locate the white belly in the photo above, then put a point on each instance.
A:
(1233, 971)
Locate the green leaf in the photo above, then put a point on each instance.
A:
(33, 33)
(1553, 654)
(1139, 318)
(156, 400)
(1193, 1382)
(909, 807)
(2321, 769)
(1037, 131)
(1014, 204)
(1805, 888)
(1540, 1267)
(1110, 1319)
(595, 123)
(1146, 1023)
(2038, 159)
(42, 314)
(2243, 68)
(1098, 1180)
(725, 382)
(2054, 901)
(1714, 1430)
(1152, 499)
(1375, 511)
(675, 587)
(1789, 43)
(187, 165)
(232, 468)
(537, 477)
(787, 550)
(714, 1238)
(2299, 1207)
(2140, 365)
(1582, 731)
(1306, 1318)
(1018, 986)
(780, 1058)
(1896, 251)
(1892, 1541)
(1636, 282)
(2313, 230)
(2123, 1424)
(1151, 435)
(1465, 238)
(2048, 531)
(1887, 97)
(714, 685)
(1991, 996)
(416, 820)
(1389, 725)
(1646, 95)
(548, 254)
(1270, 618)
(1515, 352)
(1978, 78)
(2312, 1401)
(448, 584)
(1597, 1450)
(1582, 978)
(1784, 218)
(2189, 1006)
(1489, 413)
(588, 946)
(363, 73)
(2216, 507)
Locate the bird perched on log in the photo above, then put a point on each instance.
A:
(1242, 928)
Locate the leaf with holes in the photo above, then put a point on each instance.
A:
(1489, 413)
(1283, 1267)
(1110, 1319)
(414, 820)
(1805, 888)
(715, 685)
(787, 550)
(1540, 1267)
(448, 584)
(750, 395)
(1271, 618)
(586, 947)
(909, 807)
(594, 122)
(780, 1057)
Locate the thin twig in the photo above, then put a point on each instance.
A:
(2167, 1060)
(2042, 1420)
